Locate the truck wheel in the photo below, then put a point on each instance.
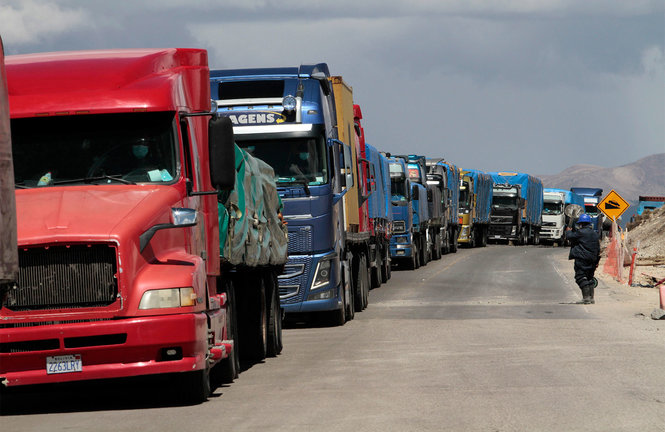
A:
(423, 252)
(254, 327)
(351, 299)
(453, 244)
(360, 276)
(275, 344)
(385, 268)
(389, 268)
(483, 231)
(376, 271)
(337, 317)
(193, 387)
(227, 370)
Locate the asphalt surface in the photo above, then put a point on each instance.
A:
(486, 339)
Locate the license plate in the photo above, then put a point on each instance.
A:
(64, 364)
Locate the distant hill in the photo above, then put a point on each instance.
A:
(644, 177)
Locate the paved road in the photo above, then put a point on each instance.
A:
(483, 340)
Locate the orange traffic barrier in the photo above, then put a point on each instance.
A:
(614, 262)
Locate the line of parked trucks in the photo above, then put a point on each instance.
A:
(167, 216)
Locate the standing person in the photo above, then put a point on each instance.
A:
(585, 250)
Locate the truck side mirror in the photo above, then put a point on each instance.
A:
(221, 149)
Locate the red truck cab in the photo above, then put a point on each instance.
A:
(117, 218)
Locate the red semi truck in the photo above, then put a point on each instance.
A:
(124, 176)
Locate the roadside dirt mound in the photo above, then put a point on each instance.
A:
(650, 233)
(649, 237)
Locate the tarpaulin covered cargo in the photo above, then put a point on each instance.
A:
(379, 200)
(482, 189)
(250, 231)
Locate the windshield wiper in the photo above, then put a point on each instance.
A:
(117, 178)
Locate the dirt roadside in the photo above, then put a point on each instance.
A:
(647, 236)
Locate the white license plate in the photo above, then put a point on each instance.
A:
(64, 364)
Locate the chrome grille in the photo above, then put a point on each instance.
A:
(57, 277)
(399, 227)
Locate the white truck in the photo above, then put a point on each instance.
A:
(555, 220)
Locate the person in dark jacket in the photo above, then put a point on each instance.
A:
(585, 250)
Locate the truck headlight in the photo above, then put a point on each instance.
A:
(322, 275)
(168, 298)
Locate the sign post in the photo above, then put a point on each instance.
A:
(613, 205)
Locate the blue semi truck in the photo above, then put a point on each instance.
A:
(408, 245)
(288, 118)
(444, 177)
(475, 207)
(517, 206)
(592, 197)
(380, 213)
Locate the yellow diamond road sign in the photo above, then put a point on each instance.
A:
(613, 205)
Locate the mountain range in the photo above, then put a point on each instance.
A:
(645, 177)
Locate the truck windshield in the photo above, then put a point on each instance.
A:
(398, 190)
(95, 149)
(295, 160)
(464, 196)
(504, 201)
(591, 209)
(552, 208)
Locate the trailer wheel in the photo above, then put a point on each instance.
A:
(376, 271)
(275, 344)
(453, 244)
(253, 315)
(351, 299)
(389, 268)
(385, 268)
(360, 275)
(227, 370)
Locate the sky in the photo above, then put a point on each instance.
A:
(533, 86)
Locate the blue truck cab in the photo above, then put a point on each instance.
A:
(592, 197)
(286, 117)
(409, 201)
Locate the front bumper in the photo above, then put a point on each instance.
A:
(108, 349)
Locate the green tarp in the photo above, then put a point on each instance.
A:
(250, 231)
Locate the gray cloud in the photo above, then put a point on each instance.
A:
(523, 85)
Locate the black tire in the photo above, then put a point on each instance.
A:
(366, 287)
(227, 370)
(385, 269)
(338, 317)
(376, 271)
(424, 259)
(193, 387)
(275, 344)
(389, 268)
(484, 234)
(253, 314)
(416, 255)
(351, 299)
(453, 244)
